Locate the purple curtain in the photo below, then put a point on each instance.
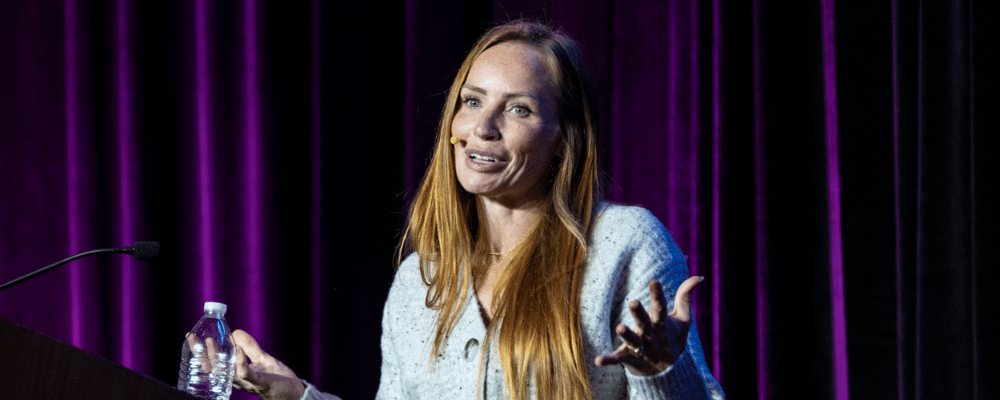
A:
(825, 164)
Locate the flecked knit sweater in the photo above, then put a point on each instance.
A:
(629, 248)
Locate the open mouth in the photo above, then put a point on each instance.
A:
(482, 159)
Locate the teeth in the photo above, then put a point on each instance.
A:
(478, 157)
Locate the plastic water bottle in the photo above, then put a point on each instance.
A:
(208, 356)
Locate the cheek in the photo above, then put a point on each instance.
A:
(459, 123)
(541, 151)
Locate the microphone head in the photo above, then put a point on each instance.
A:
(145, 250)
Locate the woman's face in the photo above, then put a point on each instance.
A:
(506, 124)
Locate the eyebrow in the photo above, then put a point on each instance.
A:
(506, 96)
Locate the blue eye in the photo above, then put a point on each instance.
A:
(471, 102)
(520, 110)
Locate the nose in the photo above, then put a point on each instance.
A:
(488, 126)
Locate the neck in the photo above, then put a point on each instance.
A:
(505, 225)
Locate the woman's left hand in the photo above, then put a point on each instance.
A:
(647, 350)
(266, 377)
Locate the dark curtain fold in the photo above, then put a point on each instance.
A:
(825, 164)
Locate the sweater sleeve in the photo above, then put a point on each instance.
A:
(656, 256)
(312, 393)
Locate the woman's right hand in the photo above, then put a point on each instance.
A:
(264, 376)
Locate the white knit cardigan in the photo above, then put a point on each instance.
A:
(629, 247)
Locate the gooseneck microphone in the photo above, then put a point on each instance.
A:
(139, 250)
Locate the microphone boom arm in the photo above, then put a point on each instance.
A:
(127, 250)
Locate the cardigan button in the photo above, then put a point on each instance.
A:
(471, 348)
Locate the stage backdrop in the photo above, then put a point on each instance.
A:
(825, 164)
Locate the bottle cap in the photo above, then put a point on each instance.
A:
(213, 306)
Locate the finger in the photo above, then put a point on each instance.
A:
(243, 378)
(249, 346)
(682, 302)
(240, 363)
(192, 340)
(640, 316)
(658, 302)
(194, 345)
(212, 349)
(197, 350)
(646, 335)
(631, 338)
(615, 357)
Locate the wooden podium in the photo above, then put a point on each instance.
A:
(35, 366)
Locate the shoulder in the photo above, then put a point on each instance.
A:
(409, 268)
(630, 242)
(617, 214)
(635, 224)
(407, 285)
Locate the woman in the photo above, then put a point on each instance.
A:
(518, 283)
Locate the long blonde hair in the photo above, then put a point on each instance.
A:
(537, 297)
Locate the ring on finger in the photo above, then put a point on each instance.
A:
(638, 352)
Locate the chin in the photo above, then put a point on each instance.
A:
(475, 186)
(477, 190)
